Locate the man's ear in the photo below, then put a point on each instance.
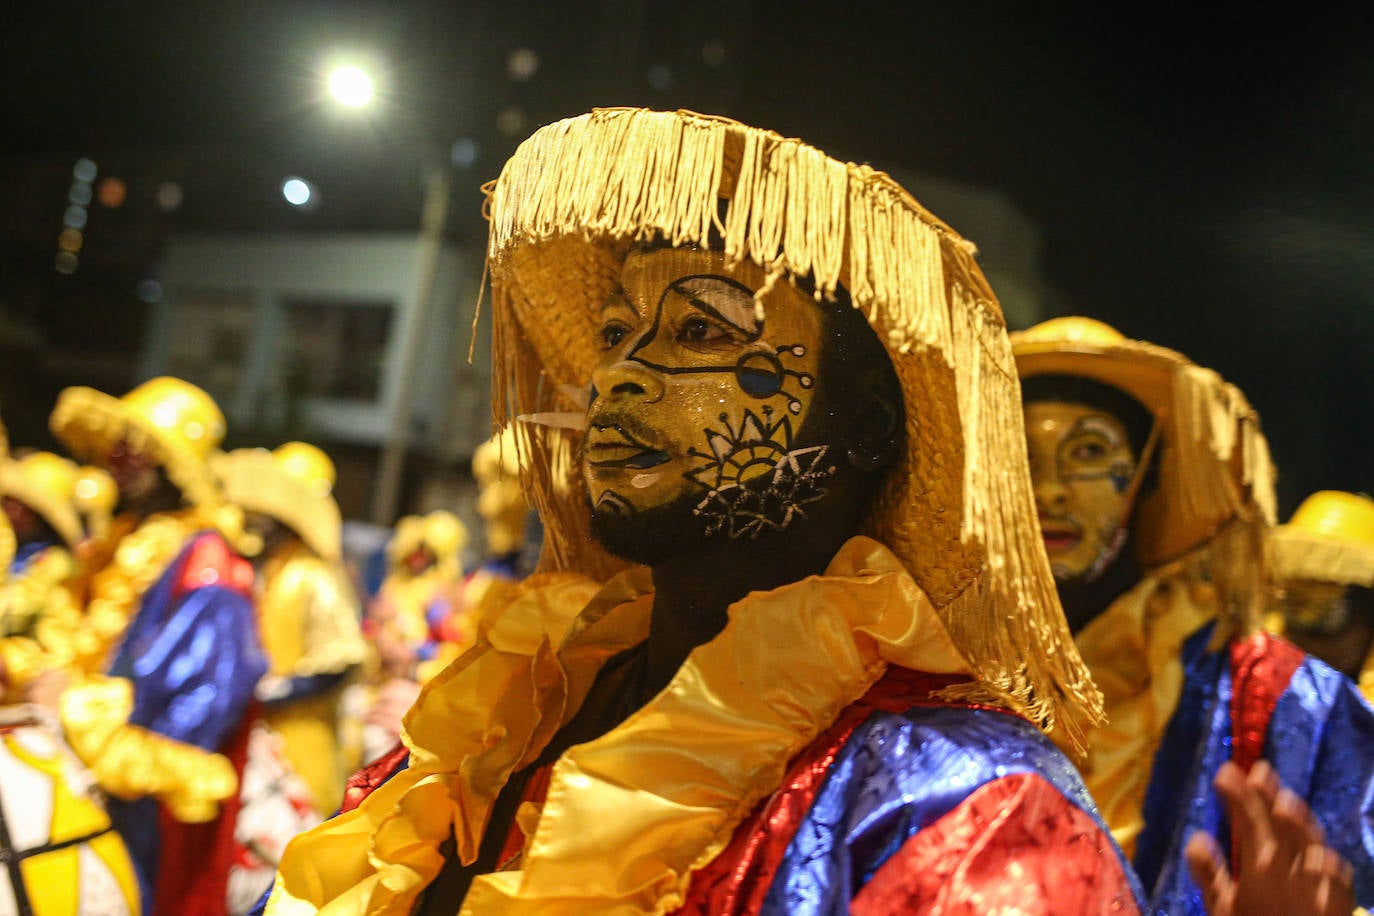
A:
(878, 432)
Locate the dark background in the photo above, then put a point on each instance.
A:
(1202, 180)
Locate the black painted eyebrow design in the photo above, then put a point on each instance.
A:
(681, 287)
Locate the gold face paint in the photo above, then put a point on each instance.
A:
(1315, 607)
(1082, 465)
(698, 393)
(1320, 619)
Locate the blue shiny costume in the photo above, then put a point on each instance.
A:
(193, 656)
(897, 775)
(1320, 740)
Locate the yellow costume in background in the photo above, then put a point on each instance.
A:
(308, 611)
(185, 636)
(1199, 535)
(412, 608)
(505, 511)
(1329, 542)
(47, 796)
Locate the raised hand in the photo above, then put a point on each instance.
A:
(1283, 864)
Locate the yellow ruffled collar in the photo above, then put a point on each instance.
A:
(679, 774)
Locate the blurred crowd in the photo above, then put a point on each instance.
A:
(181, 631)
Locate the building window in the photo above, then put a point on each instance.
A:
(335, 349)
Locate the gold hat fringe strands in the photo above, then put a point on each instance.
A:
(959, 512)
(1214, 502)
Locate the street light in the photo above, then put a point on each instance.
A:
(351, 86)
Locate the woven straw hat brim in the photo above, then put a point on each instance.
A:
(252, 481)
(89, 423)
(59, 513)
(1296, 553)
(1144, 371)
(958, 510)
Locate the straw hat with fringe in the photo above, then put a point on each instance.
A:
(959, 510)
(292, 484)
(1214, 500)
(46, 483)
(169, 419)
(1330, 538)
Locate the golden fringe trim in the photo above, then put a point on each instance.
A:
(1224, 426)
(583, 187)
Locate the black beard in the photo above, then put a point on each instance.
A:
(651, 536)
(1083, 598)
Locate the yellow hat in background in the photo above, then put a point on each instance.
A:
(441, 532)
(292, 484)
(501, 499)
(46, 483)
(169, 419)
(1214, 464)
(1330, 538)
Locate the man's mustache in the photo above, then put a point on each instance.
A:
(630, 425)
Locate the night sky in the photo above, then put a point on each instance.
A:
(1205, 181)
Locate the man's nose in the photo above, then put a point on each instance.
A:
(1051, 496)
(626, 379)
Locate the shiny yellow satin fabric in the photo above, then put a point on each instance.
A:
(308, 617)
(131, 762)
(29, 603)
(679, 774)
(1133, 650)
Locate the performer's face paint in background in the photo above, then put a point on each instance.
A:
(697, 401)
(1082, 465)
(1331, 621)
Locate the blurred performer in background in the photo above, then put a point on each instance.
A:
(1155, 493)
(1323, 562)
(424, 564)
(308, 611)
(794, 638)
(414, 622)
(505, 513)
(172, 613)
(61, 855)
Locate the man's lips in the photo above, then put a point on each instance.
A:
(1060, 536)
(610, 446)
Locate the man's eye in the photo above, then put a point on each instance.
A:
(699, 330)
(613, 334)
(1088, 451)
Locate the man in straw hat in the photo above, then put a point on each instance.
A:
(171, 611)
(307, 609)
(1155, 493)
(793, 640)
(1323, 561)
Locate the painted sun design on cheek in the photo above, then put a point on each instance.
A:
(755, 481)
